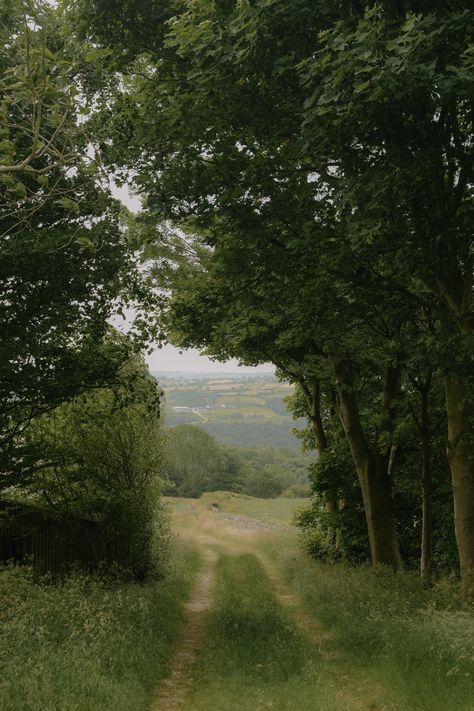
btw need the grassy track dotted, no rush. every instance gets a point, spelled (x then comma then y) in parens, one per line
(253, 658)
(389, 644)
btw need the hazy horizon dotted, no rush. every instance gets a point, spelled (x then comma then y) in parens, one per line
(178, 360)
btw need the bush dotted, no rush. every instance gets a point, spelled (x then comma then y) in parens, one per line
(101, 459)
(297, 491)
(340, 534)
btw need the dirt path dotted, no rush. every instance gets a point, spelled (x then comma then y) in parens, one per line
(171, 694)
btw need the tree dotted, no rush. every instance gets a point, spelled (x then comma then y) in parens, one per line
(195, 463)
(394, 94)
(99, 457)
(41, 139)
(66, 258)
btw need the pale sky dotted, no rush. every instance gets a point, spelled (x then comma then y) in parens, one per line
(171, 358)
(189, 360)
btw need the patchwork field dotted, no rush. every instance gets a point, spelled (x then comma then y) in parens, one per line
(246, 411)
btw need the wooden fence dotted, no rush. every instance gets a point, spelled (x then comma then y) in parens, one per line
(53, 544)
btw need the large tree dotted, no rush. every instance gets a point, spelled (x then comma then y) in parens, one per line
(390, 106)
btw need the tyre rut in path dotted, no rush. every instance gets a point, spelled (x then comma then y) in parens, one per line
(172, 693)
(355, 690)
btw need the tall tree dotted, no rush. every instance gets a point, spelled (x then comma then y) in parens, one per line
(389, 106)
(66, 260)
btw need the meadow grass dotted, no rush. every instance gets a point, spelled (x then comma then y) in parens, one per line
(87, 643)
(415, 646)
(418, 643)
(280, 509)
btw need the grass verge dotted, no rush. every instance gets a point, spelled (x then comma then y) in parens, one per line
(87, 644)
(419, 644)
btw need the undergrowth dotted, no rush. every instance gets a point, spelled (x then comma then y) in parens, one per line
(88, 643)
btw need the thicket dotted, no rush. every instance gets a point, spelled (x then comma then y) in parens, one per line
(79, 430)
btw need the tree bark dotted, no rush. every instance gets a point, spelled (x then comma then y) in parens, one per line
(371, 466)
(427, 492)
(461, 461)
(313, 399)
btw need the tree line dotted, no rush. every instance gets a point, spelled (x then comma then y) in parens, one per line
(306, 170)
(194, 462)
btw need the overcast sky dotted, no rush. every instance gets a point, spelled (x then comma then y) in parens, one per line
(171, 358)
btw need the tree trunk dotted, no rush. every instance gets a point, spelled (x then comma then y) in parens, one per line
(427, 511)
(313, 399)
(426, 488)
(379, 512)
(461, 461)
(372, 469)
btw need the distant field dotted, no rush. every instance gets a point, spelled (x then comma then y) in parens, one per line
(243, 411)
(281, 509)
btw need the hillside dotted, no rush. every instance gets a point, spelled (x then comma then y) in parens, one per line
(238, 410)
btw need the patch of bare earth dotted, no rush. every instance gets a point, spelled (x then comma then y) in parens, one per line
(172, 693)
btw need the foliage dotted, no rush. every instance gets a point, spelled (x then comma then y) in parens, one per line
(195, 463)
(310, 169)
(269, 472)
(67, 261)
(297, 491)
(39, 108)
(99, 457)
(341, 534)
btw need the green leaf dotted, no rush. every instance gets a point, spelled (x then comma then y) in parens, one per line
(362, 87)
(7, 146)
(18, 189)
(68, 204)
(49, 55)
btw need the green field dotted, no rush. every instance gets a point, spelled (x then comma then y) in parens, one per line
(280, 510)
(245, 411)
